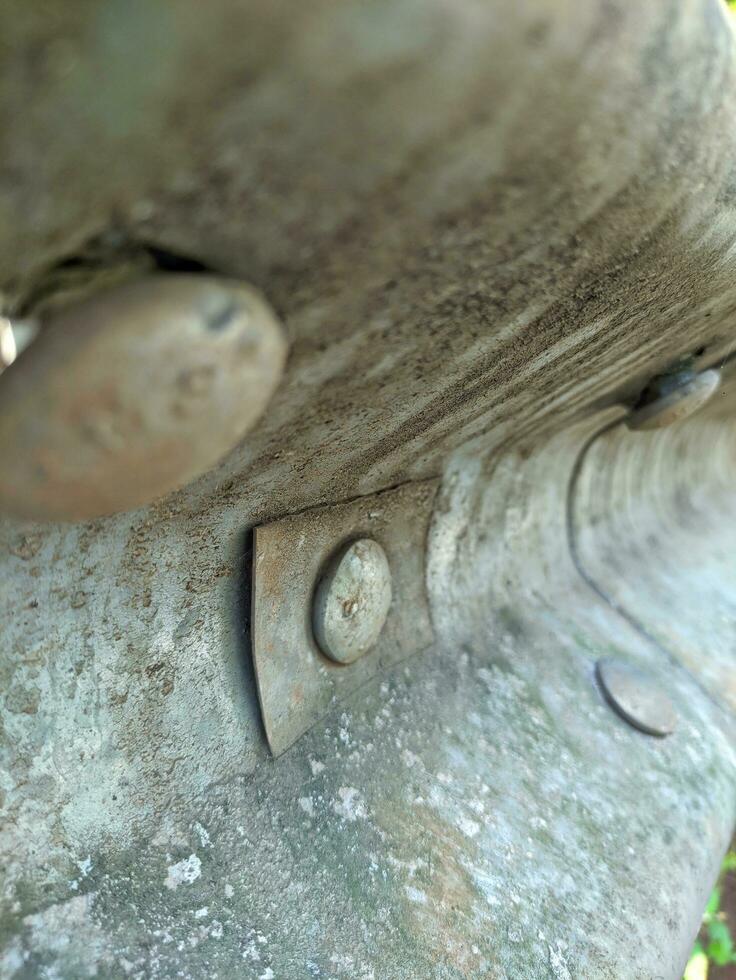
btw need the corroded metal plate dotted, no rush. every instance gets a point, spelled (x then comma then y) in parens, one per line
(297, 684)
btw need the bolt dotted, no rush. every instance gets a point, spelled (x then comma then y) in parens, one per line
(351, 601)
(132, 392)
(636, 697)
(15, 336)
(672, 397)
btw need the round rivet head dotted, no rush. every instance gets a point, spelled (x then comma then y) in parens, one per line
(673, 397)
(351, 601)
(133, 392)
(636, 696)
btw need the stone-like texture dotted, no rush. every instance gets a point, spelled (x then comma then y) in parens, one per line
(478, 811)
(479, 221)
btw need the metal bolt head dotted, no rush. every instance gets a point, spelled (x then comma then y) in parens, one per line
(676, 397)
(636, 696)
(133, 392)
(351, 601)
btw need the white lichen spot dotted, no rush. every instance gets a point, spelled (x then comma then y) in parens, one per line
(307, 804)
(250, 948)
(11, 959)
(415, 895)
(316, 766)
(183, 872)
(560, 969)
(251, 952)
(201, 913)
(85, 866)
(467, 826)
(216, 929)
(350, 806)
(229, 890)
(267, 974)
(343, 732)
(204, 837)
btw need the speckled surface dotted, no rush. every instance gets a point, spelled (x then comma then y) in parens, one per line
(476, 219)
(481, 223)
(478, 811)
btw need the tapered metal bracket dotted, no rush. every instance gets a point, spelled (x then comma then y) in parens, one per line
(297, 683)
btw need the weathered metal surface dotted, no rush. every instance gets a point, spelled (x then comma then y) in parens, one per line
(638, 697)
(475, 811)
(130, 394)
(351, 601)
(479, 222)
(297, 684)
(654, 529)
(674, 398)
(476, 220)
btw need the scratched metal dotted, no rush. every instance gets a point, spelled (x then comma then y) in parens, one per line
(479, 223)
(297, 684)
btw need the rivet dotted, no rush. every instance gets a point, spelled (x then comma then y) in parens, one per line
(132, 392)
(15, 336)
(672, 397)
(351, 601)
(636, 696)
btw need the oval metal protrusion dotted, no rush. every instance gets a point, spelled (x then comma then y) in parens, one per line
(352, 601)
(636, 696)
(681, 395)
(134, 392)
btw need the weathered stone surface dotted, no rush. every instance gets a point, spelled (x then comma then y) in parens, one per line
(479, 222)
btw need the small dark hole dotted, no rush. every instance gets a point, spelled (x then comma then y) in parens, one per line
(700, 351)
(97, 256)
(171, 262)
(75, 262)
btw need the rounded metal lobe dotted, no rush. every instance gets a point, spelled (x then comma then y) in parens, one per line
(680, 397)
(636, 696)
(351, 601)
(132, 393)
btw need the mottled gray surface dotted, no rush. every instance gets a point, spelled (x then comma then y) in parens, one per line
(479, 222)
(479, 811)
